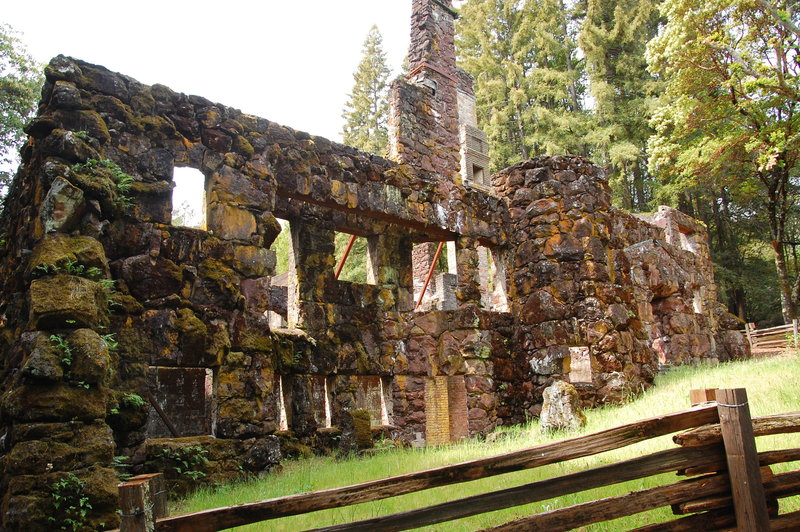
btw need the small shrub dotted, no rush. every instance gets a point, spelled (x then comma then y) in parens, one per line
(122, 180)
(71, 504)
(186, 462)
(62, 345)
(110, 342)
(133, 400)
(121, 465)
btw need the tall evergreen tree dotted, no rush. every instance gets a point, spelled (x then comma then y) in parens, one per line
(613, 38)
(20, 80)
(367, 110)
(528, 78)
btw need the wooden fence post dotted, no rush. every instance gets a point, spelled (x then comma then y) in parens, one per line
(158, 492)
(701, 397)
(748, 329)
(740, 450)
(796, 333)
(136, 503)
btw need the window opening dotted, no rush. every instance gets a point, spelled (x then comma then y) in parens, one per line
(282, 246)
(280, 282)
(434, 276)
(374, 396)
(353, 260)
(283, 418)
(478, 175)
(492, 276)
(697, 301)
(189, 198)
(386, 400)
(688, 241)
(328, 416)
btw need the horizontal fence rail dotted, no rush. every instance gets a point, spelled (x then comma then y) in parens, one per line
(716, 448)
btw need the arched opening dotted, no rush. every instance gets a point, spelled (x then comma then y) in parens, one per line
(189, 198)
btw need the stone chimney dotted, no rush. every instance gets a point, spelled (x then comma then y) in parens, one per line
(424, 126)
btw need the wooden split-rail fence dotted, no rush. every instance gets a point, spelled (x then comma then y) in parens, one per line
(729, 485)
(772, 341)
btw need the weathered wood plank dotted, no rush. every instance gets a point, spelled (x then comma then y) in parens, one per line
(158, 491)
(749, 501)
(789, 522)
(661, 462)
(787, 423)
(616, 507)
(706, 521)
(615, 438)
(779, 486)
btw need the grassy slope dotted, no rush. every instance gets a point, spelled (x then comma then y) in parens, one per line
(772, 385)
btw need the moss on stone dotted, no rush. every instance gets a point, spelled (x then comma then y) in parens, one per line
(242, 146)
(67, 301)
(57, 251)
(91, 363)
(54, 402)
(43, 363)
(189, 324)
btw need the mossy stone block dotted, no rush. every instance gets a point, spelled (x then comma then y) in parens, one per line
(43, 362)
(91, 360)
(59, 402)
(58, 249)
(67, 301)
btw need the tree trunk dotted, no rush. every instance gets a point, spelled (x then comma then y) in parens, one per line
(775, 210)
(638, 186)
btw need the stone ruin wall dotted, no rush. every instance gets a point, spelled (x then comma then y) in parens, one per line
(253, 366)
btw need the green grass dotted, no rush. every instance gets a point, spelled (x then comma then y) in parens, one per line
(771, 385)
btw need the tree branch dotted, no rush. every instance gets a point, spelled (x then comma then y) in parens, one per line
(787, 24)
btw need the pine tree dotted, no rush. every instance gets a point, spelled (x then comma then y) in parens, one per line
(614, 38)
(528, 78)
(367, 110)
(20, 80)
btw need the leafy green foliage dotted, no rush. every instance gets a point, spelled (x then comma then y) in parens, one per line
(355, 269)
(528, 77)
(110, 341)
(132, 400)
(123, 181)
(121, 465)
(613, 38)
(20, 80)
(282, 247)
(186, 461)
(367, 110)
(728, 123)
(71, 504)
(62, 345)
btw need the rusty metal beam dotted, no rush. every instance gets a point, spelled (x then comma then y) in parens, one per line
(430, 274)
(346, 254)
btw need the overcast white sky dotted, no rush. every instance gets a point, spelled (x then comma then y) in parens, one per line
(289, 61)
